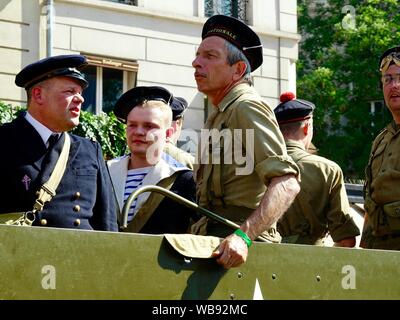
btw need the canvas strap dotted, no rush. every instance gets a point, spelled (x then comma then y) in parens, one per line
(48, 190)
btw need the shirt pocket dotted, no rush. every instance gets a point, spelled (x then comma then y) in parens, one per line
(84, 181)
(377, 157)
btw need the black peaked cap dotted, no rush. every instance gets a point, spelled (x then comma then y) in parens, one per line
(62, 65)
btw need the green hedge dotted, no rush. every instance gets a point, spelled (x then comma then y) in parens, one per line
(104, 128)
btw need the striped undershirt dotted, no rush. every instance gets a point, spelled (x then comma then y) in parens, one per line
(134, 180)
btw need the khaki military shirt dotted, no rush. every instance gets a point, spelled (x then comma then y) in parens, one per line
(322, 203)
(383, 179)
(385, 167)
(238, 182)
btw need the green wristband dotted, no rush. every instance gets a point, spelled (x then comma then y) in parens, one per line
(244, 236)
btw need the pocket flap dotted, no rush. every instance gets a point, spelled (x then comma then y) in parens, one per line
(392, 209)
(193, 246)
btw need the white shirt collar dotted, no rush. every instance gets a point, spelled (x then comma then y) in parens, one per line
(43, 131)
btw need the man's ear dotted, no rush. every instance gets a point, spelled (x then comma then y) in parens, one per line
(240, 69)
(178, 122)
(169, 132)
(306, 128)
(174, 125)
(37, 94)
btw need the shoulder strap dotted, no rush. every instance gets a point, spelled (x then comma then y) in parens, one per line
(298, 156)
(48, 190)
(146, 211)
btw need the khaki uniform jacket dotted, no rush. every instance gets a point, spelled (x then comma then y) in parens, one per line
(247, 164)
(322, 204)
(382, 202)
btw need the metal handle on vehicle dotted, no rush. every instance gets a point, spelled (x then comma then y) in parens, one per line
(177, 198)
(174, 197)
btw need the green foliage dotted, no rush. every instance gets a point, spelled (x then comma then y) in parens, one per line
(8, 112)
(104, 128)
(338, 71)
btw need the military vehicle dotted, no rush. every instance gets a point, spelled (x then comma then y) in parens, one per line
(50, 263)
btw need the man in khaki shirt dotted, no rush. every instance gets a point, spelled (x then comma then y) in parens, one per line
(322, 204)
(248, 178)
(382, 193)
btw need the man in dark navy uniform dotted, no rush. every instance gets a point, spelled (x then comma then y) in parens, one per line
(31, 145)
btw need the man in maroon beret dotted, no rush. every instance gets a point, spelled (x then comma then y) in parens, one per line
(321, 205)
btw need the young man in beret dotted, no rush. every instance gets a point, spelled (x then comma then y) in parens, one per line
(381, 192)
(321, 205)
(33, 142)
(148, 116)
(178, 106)
(228, 53)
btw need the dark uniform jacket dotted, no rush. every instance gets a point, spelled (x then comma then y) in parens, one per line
(84, 198)
(170, 216)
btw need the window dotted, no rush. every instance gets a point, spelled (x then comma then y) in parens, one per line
(108, 79)
(233, 8)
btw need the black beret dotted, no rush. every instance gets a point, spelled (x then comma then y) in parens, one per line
(293, 110)
(178, 106)
(388, 55)
(137, 96)
(237, 33)
(63, 65)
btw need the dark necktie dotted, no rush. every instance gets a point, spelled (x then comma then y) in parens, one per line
(52, 140)
(50, 158)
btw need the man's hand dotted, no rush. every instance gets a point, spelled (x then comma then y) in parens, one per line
(347, 242)
(232, 252)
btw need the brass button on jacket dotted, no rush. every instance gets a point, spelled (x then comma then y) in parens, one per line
(43, 222)
(77, 222)
(77, 195)
(77, 208)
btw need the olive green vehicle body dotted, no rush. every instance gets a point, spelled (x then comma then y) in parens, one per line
(50, 263)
